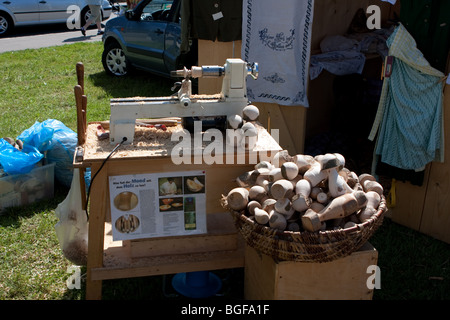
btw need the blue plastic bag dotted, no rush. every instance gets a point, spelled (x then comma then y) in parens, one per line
(16, 161)
(58, 141)
(38, 135)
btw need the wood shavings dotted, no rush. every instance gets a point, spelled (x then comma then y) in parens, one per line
(76, 251)
(148, 142)
(154, 142)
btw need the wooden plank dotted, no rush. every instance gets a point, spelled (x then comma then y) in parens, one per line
(409, 202)
(215, 53)
(121, 267)
(296, 124)
(97, 215)
(290, 121)
(82, 187)
(341, 279)
(436, 214)
(83, 116)
(259, 276)
(221, 236)
(182, 245)
(78, 91)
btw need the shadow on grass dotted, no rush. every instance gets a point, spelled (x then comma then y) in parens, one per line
(10, 217)
(412, 265)
(160, 287)
(136, 84)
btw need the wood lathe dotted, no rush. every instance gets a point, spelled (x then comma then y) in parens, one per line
(229, 102)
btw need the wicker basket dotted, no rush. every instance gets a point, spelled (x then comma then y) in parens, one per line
(321, 246)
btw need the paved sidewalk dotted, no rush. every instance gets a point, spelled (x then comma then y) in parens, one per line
(46, 36)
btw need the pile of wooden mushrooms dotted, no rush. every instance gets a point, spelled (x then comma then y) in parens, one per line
(248, 133)
(306, 193)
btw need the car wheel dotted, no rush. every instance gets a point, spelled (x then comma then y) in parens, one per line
(85, 15)
(5, 24)
(114, 60)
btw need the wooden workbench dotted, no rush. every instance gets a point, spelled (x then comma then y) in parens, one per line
(220, 248)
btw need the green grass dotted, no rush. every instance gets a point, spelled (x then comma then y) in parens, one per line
(413, 265)
(38, 85)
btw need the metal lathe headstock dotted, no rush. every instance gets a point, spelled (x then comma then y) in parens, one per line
(230, 101)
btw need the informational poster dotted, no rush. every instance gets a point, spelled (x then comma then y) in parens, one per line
(158, 204)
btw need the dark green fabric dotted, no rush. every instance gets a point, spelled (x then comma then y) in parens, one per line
(197, 21)
(428, 21)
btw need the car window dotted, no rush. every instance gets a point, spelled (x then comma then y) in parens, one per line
(156, 10)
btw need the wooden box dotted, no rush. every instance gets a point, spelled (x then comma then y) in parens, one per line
(342, 279)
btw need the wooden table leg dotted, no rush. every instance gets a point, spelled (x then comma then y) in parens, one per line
(97, 215)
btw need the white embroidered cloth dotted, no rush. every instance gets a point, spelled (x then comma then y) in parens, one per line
(277, 35)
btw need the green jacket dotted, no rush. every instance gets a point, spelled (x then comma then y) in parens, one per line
(428, 21)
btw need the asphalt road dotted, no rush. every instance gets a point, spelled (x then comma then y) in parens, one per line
(45, 36)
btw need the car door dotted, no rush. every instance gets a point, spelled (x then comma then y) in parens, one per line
(145, 39)
(172, 42)
(55, 10)
(172, 46)
(25, 11)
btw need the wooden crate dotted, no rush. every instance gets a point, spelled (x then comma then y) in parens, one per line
(342, 279)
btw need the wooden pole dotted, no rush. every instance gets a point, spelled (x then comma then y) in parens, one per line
(80, 115)
(80, 75)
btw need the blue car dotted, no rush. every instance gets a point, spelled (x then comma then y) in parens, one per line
(147, 38)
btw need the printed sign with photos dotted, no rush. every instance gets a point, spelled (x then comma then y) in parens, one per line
(158, 204)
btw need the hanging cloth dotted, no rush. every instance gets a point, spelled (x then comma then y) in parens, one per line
(219, 20)
(409, 116)
(278, 36)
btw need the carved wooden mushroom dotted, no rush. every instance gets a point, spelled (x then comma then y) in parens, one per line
(315, 174)
(258, 193)
(251, 207)
(281, 157)
(373, 201)
(277, 220)
(339, 207)
(250, 136)
(234, 121)
(250, 113)
(261, 216)
(237, 198)
(289, 170)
